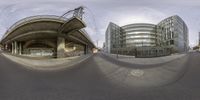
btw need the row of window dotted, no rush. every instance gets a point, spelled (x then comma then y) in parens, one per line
(140, 36)
(138, 45)
(140, 40)
(139, 29)
(137, 33)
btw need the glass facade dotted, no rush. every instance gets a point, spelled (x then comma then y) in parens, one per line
(199, 38)
(171, 34)
(174, 34)
(140, 34)
(114, 37)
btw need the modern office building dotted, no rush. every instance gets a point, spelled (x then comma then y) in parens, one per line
(174, 34)
(197, 47)
(113, 37)
(141, 34)
(148, 40)
(199, 38)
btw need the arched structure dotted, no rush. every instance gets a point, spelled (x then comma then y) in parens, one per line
(48, 35)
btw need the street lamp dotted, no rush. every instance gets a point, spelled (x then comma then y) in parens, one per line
(117, 53)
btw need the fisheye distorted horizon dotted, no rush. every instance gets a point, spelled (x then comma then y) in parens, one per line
(100, 12)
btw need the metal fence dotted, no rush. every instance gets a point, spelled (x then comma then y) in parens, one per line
(143, 52)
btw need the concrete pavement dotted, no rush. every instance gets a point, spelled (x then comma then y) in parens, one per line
(48, 64)
(99, 78)
(142, 76)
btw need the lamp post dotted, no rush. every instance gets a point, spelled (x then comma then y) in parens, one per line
(117, 53)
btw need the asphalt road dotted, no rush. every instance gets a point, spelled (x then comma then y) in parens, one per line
(98, 78)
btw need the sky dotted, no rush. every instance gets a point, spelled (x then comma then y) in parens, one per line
(98, 13)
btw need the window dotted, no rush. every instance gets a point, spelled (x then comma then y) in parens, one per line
(171, 42)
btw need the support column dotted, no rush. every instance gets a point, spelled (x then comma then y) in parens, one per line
(6, 47)
(20, 48)
(12, 49)
(60, 47)
(15, 48)
(86, 49)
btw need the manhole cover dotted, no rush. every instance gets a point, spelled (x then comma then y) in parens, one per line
(137, 72)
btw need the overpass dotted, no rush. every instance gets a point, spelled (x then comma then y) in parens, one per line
(48, 35)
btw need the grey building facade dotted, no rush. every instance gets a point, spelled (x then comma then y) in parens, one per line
(148, 40)
(140, 34)
(174, 33)
(199, 38)
(114, 37)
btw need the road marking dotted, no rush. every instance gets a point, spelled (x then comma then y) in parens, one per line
(137, 72)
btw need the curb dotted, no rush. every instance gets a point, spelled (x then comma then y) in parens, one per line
(107, 55)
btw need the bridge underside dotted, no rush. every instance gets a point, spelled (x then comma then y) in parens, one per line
(48, 46)
(42, 38)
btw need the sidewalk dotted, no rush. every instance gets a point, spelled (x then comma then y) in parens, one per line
(134, 76)
(47, 64)
(146, 61)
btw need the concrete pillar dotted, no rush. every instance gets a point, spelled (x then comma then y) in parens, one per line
(12, 49)
(86, 49)
(15, 47)
(6, 47)
(60, 47)
(20, 48)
